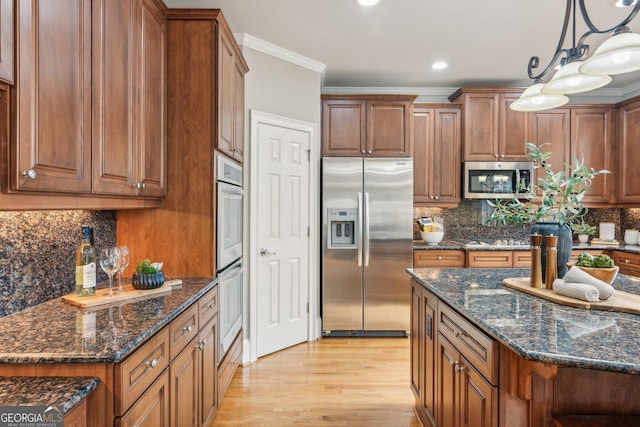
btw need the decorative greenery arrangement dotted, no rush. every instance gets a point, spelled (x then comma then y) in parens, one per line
(554, 197)
(582, 228)
(147, 267)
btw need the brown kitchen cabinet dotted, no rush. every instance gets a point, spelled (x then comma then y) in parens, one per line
(52, 147)
(436, 155)
(438, 258)
(7, 71)
(230, 111)
(498, 259)
(367, 125)
(423, 361)
(629, 152)
(187, 212)
(152, 409)
(629, 263)
(593, 138)
(490, 129)
(129, 134)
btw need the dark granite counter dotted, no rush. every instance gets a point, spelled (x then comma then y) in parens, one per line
(64, 392)
(57, 332)
(537, 329)
(447, 245)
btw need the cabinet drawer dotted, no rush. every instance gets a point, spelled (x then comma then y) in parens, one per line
(438, 258)
(228, 366)
(490, 259)
(521, 259)
(628, 263)
(153, 407)
(139, 371)
(208, 306)
(473, 344)
(182, 330)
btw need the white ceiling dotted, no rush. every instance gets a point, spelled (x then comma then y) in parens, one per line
(393, 44)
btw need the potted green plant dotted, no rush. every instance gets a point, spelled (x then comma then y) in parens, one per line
(148, 275)
(551, 202)
(583, 230)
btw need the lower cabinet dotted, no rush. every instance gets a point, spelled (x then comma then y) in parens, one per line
(152, 409)
(454, 366)
(438, 258)
(228, 365)
(629, 263)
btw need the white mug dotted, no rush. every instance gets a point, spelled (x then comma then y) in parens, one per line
(631, 237)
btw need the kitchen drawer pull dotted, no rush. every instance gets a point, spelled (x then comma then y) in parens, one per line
(459, 367)
(188, 328)
(211, 306)
(627, 261)
(152, 364)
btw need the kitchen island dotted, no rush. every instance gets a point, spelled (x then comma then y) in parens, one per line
(482, 350)
(130, 347)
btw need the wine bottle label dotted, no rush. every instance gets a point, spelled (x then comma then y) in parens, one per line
(89, 275)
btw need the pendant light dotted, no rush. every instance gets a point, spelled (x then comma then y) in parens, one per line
(534, 100)
(617, 55)
(569, 80)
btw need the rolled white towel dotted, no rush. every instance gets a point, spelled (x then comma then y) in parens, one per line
(575, 275)
(580, 291)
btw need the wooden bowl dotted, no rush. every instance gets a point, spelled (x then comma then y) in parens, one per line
(607, 275)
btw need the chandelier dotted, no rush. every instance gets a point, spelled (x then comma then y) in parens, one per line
(577, 71)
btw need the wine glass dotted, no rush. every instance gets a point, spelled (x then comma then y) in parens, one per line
(110, 263)
(124, 262)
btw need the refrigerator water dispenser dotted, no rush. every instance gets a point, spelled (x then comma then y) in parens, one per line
(342, 223)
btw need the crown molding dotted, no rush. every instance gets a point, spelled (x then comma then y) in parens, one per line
(247, 40)
(420, 91)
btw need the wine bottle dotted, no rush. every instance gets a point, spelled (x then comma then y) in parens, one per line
(86, 265)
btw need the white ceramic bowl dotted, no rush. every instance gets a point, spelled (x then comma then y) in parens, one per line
(432, 237)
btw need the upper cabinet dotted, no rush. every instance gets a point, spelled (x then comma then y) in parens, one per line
(88, 112)
(129, 134)
(367, 125)
(230, 111)
(629, 172)
(436, 155)
(52, 147)
(490, 129)
(6, 41)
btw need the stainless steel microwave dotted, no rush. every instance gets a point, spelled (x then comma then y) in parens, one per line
(496, 180)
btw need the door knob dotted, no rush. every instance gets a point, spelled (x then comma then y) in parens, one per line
(265, 252)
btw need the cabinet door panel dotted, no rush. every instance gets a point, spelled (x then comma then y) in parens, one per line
(54, 96)
(238, 116)
(514, 130)
(388, 132)
(152, 409)
(209, 375)
(152, 86)
(429, 332)
(447, 384)
(480, 138)
(344, 127)
(6, 41)
(478, 399)
(423, 122)
(629, 191)
(416, 337)
(446, 156)
(553, 129)
(226, 100)
(113, 92)
(592, 139)
(184, 381)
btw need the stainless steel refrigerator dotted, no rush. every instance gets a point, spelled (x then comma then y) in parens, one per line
(367, 212)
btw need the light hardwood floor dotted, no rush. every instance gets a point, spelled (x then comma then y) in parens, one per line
(361, 382)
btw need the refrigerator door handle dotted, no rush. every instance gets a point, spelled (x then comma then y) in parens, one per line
(366, 229)
(359, 236)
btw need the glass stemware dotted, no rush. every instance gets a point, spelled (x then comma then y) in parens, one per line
(124, 262)
(110, 264)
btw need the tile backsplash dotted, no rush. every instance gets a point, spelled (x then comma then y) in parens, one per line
(467, 221)
(37, 253)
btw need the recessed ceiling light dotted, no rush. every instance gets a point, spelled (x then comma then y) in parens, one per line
(372, 2)
(623, 3)
(439, 65)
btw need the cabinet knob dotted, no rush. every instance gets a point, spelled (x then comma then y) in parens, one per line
(211, 306)
(459, 367)
(431, 197)
(439, 258)
(140, 185)
(502, 156)
(362, 151)
(626, 261)
(152, 364)
(456, 333)
(369, 151)
(495, 155)
(436, 197)
(188, 328)
(31, 173)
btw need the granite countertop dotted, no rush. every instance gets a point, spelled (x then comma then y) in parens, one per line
(64, 392)
(58, 332)
(537, 329)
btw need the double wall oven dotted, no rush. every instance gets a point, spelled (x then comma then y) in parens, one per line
(229, 250)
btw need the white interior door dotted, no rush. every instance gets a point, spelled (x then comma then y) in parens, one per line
(282, 249)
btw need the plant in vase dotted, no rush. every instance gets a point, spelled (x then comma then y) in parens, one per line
(551, 202)
(583, 230)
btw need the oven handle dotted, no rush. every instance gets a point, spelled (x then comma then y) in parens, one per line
(231, 271)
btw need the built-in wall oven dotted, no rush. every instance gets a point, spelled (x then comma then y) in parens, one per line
(229, 250)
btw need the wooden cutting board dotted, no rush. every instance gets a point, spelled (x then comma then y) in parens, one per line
(620, 301)
(129, 294)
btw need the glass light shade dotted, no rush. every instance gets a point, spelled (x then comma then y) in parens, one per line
(533, 100)
(616, 55)
(569, 79)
